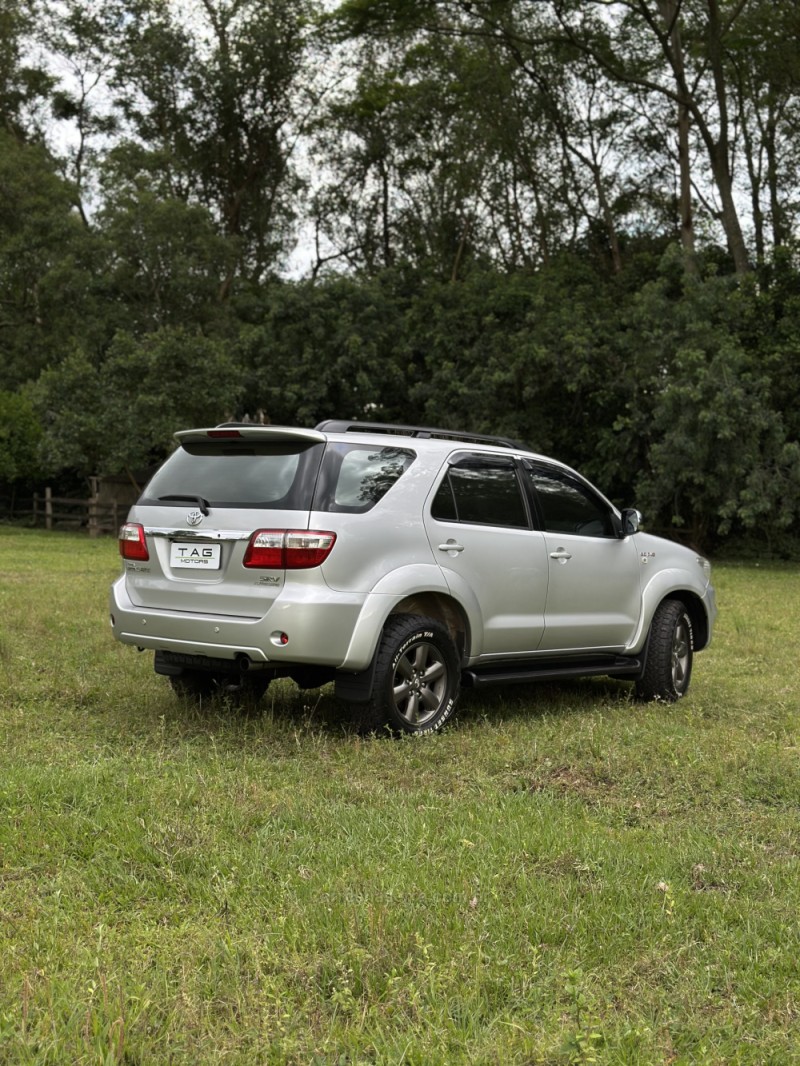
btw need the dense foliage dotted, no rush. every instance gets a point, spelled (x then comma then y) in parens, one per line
(569, 221)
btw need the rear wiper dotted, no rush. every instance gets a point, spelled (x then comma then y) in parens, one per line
(201, 503)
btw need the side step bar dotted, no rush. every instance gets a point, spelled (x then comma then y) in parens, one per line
(508, 673)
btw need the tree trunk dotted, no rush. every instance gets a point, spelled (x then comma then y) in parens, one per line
(669, 13)
(388, 254)
(719, 150)
(780, 230)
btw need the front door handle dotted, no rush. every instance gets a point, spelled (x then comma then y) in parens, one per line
(561, 554)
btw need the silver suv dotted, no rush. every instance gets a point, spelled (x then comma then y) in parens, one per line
(402, 563)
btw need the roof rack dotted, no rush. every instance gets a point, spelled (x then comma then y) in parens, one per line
(424, 432)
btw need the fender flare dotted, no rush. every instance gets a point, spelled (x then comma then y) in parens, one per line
(417, 579)
(672, 582)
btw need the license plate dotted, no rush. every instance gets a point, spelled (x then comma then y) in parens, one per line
(195, 556)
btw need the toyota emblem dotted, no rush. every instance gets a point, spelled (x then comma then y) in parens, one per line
(194, 518)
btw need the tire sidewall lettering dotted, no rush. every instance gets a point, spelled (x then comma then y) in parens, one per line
(415, 638)
(437, 724)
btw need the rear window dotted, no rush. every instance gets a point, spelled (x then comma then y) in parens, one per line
(239, 473)
(354, 476)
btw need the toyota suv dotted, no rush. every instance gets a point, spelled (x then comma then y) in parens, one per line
(400, 563)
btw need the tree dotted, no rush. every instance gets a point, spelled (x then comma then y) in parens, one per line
(663, 51)
(46, 263)
(532, 144)
(509, 354)
(408, 174)
(80, 36)
(715, 451)
(332, 349)
(119, 417)
(720, 458)
(164, 259)
(23, 85)
(659, 64)
(20, 433)
(69, 401)
(212, 102)
(762, 59)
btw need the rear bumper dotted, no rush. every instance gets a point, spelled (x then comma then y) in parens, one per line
(319, 630)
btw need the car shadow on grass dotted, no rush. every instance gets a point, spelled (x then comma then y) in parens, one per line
(285, 708)
(574, 696)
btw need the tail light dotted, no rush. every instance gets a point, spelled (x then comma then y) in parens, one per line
(132, 543)
(288, 549)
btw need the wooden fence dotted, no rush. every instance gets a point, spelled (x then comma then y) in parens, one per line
(60, 512)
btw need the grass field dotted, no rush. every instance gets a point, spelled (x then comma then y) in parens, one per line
(563, 876)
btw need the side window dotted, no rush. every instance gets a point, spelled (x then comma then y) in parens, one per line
(567, 505)
(482, 494)
(355, 477)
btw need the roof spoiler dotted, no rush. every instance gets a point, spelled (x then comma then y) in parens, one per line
(249, 431)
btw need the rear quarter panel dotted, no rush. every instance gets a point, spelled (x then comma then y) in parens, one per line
(386, 539)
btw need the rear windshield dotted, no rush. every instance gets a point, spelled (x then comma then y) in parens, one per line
(239, 473)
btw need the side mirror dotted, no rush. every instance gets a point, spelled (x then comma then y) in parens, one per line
(631, 520)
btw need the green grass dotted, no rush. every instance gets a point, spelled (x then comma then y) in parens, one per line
(563, 876)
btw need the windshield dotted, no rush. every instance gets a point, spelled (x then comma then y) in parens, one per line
(232, 473)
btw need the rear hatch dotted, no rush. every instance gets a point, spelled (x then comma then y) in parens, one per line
(209, 534)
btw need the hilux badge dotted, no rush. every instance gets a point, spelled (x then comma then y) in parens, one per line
(194, 518)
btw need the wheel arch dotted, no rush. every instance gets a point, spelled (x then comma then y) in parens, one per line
(444, 609)
(697, 616)
(356, 686)
(674, 584)
(419, 597)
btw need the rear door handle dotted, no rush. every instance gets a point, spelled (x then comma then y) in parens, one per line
(451, 546)
(561, 554)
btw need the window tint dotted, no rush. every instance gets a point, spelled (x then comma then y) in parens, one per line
(443, 507)
(567, 505)
(238, 474)
(483, 495)
(354, 477)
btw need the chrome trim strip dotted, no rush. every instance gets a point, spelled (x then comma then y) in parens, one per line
(171, 533)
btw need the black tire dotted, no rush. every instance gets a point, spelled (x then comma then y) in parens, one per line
(201, 686)
(668, 666)
(417, 677)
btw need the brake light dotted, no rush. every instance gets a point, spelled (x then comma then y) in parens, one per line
(223, 433)
(132, 542)
(265, 550)
(288, 549)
